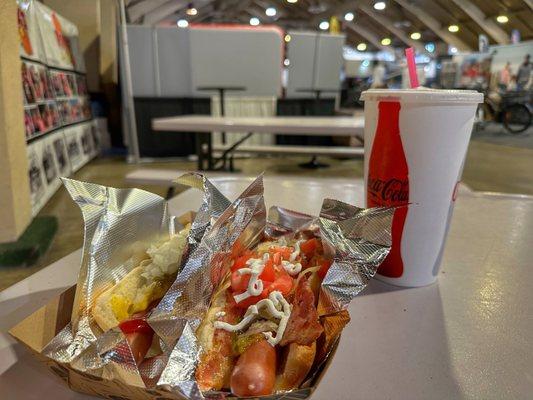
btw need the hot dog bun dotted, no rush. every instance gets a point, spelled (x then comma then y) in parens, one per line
(146, 283)
(296, 363)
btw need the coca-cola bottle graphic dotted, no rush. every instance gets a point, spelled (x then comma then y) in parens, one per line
(388, 180)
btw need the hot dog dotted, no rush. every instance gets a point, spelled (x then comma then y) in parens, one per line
(126, 302)
(262, 325)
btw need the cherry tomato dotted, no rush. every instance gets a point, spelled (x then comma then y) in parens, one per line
(240, 262)
(309, 246)
(324, 268)
(135, 325)
(276, 258)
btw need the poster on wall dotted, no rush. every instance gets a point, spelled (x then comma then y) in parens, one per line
(28, 27)
(74, 150)
(36, 176)
(60, 153)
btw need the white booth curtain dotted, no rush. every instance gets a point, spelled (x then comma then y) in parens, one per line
(244, 106)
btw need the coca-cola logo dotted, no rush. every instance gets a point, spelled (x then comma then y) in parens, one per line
(391, 191)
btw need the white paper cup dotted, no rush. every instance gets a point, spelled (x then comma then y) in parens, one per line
(415, 145)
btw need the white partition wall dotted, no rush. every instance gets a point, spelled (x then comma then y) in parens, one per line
(251, 58)
(173, 62)
(143, 72)
(315, 63)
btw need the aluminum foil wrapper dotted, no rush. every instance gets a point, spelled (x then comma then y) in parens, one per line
(358, 239)
(120, 224)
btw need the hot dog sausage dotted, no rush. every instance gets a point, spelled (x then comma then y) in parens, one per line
(255, 371)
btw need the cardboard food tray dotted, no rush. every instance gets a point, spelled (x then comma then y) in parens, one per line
(39, 328)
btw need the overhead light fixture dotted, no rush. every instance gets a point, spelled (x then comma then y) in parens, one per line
(191, 10)
(361, 47)
(324, 25)
(430, 47)
(502, 19)
(286, 62)
(453, 28)
(380, 5)
(287, 38)
(416, 35)
(292, 1)
(453, 50)
(349, 16)
(386, 41)
(270, 11)
(254, 21)
(182, 23)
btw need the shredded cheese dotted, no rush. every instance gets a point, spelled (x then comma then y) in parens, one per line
(255, 285)
(292, 269)
(275, 307)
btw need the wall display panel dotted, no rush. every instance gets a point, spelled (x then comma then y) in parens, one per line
(173, 60)
(251, 58)
(141, 50)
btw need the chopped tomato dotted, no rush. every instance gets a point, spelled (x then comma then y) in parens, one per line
(135, 325)
(284, 252)
(276, 258)
(240, 262)
(309, 247)
(244, 304)
(283, 283)
(268, 274)
(324, 268)
(239, 283)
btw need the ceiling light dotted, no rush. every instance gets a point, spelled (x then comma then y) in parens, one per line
(416, 35)
(361, 46)
(453, 50)
(430, 47)
(324, 25)
(287, 38)
(292, 1)
(270, 11)
(502, 19)
(453, 28)
(349, 16)
(254, 21)
(182, 23)
(286, 62)
(380, 5)
(191, 11)
(386, 41)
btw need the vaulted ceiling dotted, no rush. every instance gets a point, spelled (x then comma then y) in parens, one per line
(399, 19)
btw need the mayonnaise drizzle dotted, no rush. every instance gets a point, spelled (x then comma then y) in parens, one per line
(296, 251)
(255, 285)
(275, 306)
(292, 269)
(220, 314)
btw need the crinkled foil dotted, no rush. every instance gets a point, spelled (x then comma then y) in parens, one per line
(358, 239)
(120, 224)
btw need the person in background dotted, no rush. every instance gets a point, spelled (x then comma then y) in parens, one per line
(524, 74)
(378, 75)
(505, 76)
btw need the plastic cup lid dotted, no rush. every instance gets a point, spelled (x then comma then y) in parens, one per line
(423, 95)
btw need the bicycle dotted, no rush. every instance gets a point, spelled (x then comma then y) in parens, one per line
(513, 109)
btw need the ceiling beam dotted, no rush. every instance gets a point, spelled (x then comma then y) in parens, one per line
(340, 10)
(368, 35)
(389, 25)
(160, 13)
(433, 24)
(137, 10)
(487, 24)
(529, 3)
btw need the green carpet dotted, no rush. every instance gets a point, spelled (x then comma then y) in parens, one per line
(31, 245)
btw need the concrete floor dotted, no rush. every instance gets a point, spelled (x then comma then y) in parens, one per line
(489, 167)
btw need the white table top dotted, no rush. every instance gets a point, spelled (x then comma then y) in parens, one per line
(331, 126)
(468, 336)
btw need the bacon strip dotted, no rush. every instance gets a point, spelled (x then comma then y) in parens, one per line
(303, 326)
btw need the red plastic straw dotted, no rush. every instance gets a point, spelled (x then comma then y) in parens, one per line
(411, 66)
